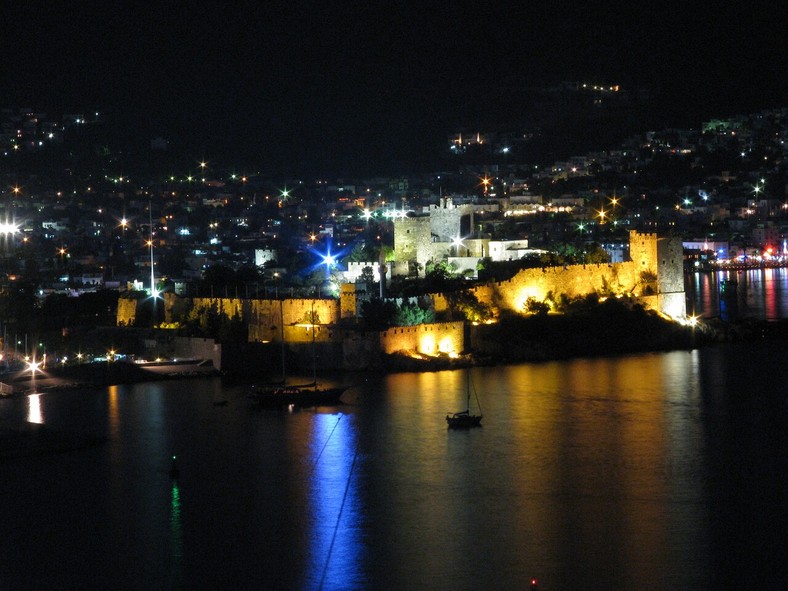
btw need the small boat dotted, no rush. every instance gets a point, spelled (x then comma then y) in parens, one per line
(281, 394)
(179, 367)
(464, 419)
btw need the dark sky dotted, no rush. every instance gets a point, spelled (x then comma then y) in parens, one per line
(322, 85)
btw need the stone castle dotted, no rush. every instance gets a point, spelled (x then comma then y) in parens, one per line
(653, 276)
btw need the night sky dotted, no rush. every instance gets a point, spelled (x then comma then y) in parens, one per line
(332, 86)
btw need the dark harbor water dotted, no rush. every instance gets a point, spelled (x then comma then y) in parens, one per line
(658, 471)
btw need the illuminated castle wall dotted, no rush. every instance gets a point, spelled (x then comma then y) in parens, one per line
(427, 339)
(655, 272)
(265, 318)
(654, 275)
(269, 320)
(364, 350)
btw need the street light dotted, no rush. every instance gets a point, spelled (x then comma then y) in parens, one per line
(485, 183)
(33, 366)
(456, 243)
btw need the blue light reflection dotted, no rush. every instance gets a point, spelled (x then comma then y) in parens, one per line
(335, 548)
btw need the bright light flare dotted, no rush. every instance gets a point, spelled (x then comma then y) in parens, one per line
(327, 258)
(8, 228)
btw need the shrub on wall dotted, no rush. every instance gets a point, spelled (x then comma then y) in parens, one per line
(534, 306)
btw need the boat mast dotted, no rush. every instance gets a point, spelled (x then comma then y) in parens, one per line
(468, 389)
(282, 339)
(314, 349)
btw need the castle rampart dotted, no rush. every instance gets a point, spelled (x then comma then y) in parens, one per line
(655, 275)
(427, 339)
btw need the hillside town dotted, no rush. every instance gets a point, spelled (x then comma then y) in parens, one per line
(78, 223)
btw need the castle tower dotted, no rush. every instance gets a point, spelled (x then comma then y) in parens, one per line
(412, 239)
(662, 258)
(347, 300)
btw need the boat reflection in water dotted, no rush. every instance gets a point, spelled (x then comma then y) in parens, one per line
(302, 396)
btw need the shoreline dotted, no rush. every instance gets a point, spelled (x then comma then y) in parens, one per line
(20, 439)
(529, 340)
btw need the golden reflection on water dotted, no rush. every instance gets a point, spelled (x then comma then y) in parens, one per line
(113, 413)
(604, 424)
(554, 435)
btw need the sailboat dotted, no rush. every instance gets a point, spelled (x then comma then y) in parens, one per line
(283, 394)
(464, 419)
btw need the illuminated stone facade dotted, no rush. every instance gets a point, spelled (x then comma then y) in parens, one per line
(127, 312)
(426, 339)
(429, 237)
(654, 275)
(265, 318)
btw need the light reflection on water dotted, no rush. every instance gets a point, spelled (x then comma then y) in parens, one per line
(34, 414)
(759, 293)
(651, 471)
(334, 557)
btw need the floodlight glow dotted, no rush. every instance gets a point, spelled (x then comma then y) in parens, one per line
(8, 228)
